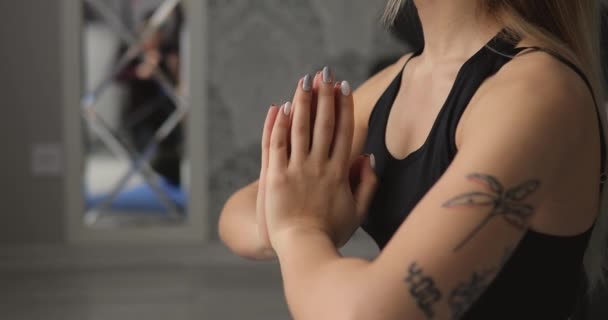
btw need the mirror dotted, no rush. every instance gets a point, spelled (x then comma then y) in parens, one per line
(134, 111)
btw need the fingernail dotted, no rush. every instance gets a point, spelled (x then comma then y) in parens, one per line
(345, 87)
(327, 75)
(372, 161)
(307, 83)
(287, 108)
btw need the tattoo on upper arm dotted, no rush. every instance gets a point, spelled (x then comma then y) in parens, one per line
(507, 204)
(506, 256)
(423, 289)
(427, 295)
(467, 292)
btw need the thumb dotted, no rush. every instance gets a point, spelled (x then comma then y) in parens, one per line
(366, 187)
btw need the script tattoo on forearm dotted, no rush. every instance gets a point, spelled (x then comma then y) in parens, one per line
(506, 256)
(507, 204)
(423, 290)
(467, 292)
(463, 296)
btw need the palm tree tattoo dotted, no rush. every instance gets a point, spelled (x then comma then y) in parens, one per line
(504, 203)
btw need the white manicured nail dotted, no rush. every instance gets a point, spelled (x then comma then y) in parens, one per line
(346, 89)
(287, 108)
(327, 76)
(372, 161)
(307, 83)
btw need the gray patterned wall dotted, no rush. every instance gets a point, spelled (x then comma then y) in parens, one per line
(258, 51)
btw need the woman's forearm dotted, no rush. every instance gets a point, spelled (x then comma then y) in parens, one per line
(319, 283)
(238, 225)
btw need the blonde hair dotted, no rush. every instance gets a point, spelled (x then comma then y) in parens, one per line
(572, 30)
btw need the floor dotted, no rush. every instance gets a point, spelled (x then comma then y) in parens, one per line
(60, 283)
(54, 283)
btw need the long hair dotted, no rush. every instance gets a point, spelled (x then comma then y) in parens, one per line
(571, 29)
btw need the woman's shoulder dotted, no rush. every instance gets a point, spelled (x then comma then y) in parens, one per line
(540, 76)
(541, 94)
(540, 106)
(538, 83)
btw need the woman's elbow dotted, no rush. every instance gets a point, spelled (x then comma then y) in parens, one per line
(240, 235)
(228, 231)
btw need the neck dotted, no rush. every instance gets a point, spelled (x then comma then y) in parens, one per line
(454, 29)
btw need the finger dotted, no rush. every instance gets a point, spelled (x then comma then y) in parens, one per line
(294, 106)
(316, 83)
(344, 124)
(260, 213)
(366, 189)
(261, 219)
(267, 133)
(263, 229)
(300, 127)
(311, 88)
(278, 156)
(323, 132)
(354, 174)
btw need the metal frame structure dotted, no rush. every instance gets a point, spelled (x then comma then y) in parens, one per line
(194, 228)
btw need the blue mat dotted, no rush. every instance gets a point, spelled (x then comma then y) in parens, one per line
(141, 199)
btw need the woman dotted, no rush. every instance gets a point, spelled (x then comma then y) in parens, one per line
(149, 106)
(487, 150)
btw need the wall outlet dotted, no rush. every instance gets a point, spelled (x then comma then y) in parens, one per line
(46, 160)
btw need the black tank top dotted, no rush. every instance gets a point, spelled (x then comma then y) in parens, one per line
(542, 279)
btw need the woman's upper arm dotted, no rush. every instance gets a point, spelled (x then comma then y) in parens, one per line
(458, 237)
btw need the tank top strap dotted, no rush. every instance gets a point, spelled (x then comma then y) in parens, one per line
(385, 102)
(474, 72)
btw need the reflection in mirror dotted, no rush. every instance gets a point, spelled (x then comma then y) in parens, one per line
(133, 109)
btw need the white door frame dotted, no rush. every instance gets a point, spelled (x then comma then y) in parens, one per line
(196, 229)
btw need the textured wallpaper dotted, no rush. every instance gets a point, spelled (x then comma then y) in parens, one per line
(258, 51)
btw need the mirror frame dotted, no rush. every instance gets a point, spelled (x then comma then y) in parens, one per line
(196, 229)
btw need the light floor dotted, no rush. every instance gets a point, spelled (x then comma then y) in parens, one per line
(60, 283)
(54, 283)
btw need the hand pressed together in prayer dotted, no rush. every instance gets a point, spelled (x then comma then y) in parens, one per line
(308, 181)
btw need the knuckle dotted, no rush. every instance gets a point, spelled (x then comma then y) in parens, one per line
(277, 180)
(327, 125)
(278, 144)
(304, 100)
(316, 170)
(347, 121)
(338, 171)
(301, 130)
(282, 123)
(296, 161)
